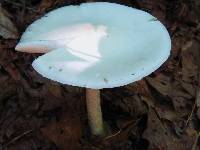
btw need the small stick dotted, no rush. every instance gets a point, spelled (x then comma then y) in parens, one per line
(190, 116)
(18, 137)
(195, 142)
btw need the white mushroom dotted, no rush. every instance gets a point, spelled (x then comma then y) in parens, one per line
(96, 45)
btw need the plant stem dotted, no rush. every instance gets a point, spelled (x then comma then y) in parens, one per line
(93, 102)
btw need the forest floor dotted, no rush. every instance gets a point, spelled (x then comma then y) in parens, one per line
(160, 112)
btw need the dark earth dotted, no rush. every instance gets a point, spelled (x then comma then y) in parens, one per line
(160, 112)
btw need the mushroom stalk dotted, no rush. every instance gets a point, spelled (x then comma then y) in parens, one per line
(93, 102)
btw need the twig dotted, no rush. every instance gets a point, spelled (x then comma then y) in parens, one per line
(190, 116)
(197, 99)
(18, 137)
(195, 142)
(115, 134)
(128, 126)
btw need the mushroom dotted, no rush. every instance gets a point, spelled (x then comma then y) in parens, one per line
(96, 45)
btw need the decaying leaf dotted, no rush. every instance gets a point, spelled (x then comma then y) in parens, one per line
(156, 133)
(55, 90)
(66, 132)
(161, 134)
(7, 28)
(161, 83)
(190, 58)
(157, 7)
(139, 87)
(166, 112)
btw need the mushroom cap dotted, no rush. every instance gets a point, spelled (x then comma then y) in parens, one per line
(97, 45)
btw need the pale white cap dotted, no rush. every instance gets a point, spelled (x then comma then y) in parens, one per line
(97, 45)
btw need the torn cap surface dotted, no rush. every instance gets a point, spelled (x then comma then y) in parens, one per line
(97, 45)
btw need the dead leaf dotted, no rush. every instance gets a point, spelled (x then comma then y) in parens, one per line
(198, 113)
(13, 71)
(118, 139)
(65, 133)
(139, 87)
(190, 88)
(47, 4)
(7, 28)
(161, 83)
(157, 7)
(181, 105)
(165, 112)
(157, 134)
(8, 43)
(55, 90)
(161, 134)
(8, 91)
(190, 60)
(131, 105)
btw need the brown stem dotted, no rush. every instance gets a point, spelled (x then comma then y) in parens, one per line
(93, 101)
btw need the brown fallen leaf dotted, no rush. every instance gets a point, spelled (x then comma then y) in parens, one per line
(177, 90)
(66, 132)
(182, 105)
(179, 97)
(7, 28)
(47, 4)
(8, 43)
(188, 138)
(190, 88)
(189, 60)
(119, 138)
(55, 90)
(157, 7)
(139, 87)
(8, 91)
(161, 83)
(160, 134)
(166, 112)
(157, 134)
(13, 71)
(131, 105)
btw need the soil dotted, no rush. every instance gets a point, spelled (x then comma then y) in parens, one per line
(159, 112)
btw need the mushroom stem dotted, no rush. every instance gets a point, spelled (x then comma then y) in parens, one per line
(93, 102)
